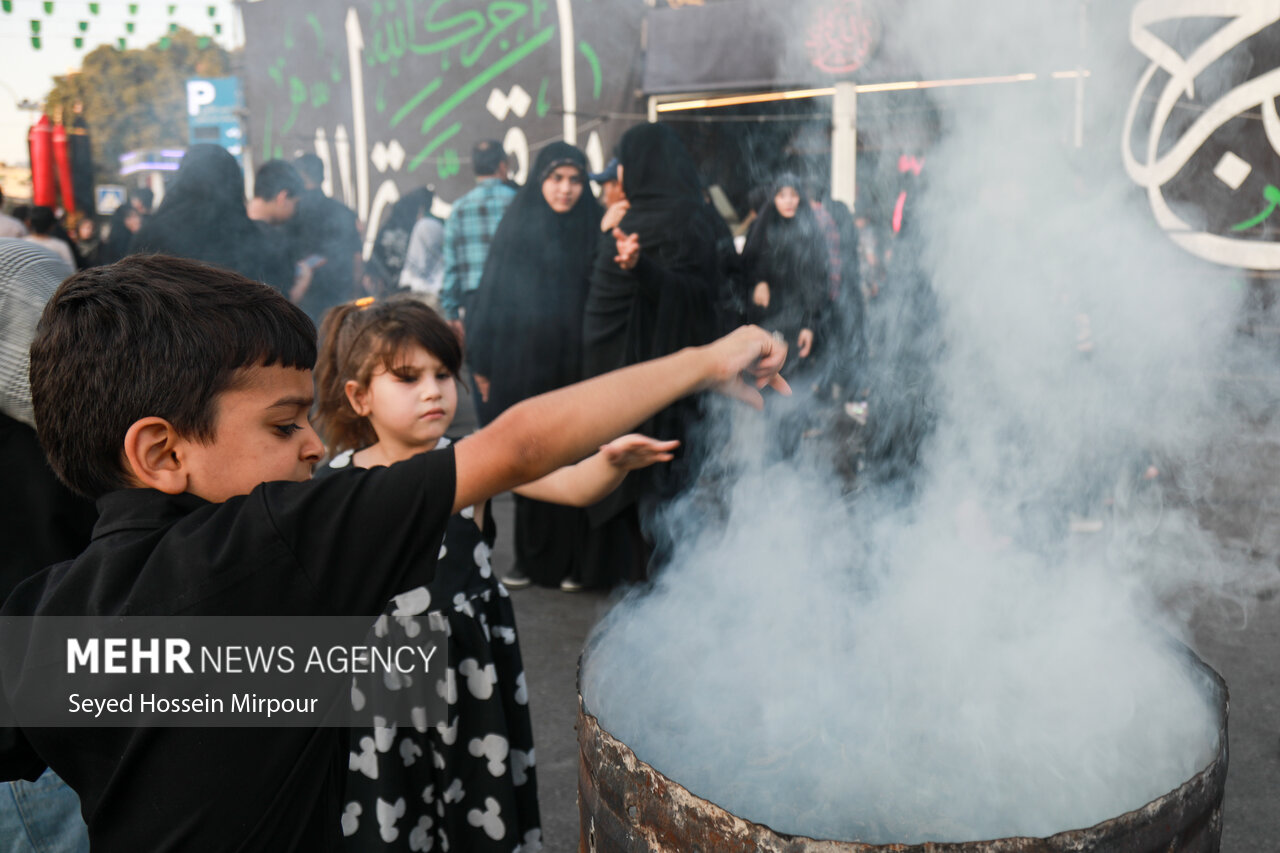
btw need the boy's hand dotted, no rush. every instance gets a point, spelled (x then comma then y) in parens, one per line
(752, 350)
(633, 452)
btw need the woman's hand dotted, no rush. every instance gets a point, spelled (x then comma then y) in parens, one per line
(613, 216)
(635, 451)
(760, 296)
(628, 249)
(804, 343)
(482, 385)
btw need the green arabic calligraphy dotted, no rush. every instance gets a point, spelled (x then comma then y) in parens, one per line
(397, 30)
(597, 79)
(300, 93)
(1272, 195)
(487, 39)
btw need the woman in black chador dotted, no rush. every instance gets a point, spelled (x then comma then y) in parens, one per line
(524, 334)
(392, 243)
(203, 218)
(786, 272)
(645, 307)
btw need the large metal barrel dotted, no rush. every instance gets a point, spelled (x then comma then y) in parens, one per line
(626, 806)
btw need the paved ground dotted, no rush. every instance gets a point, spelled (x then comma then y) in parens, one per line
(1247, 654)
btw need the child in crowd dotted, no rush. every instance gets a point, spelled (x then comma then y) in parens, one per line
(385, 380)
(176, 394)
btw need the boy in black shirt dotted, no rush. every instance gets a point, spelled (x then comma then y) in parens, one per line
(177, 394)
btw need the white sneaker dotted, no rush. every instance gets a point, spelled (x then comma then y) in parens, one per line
(516, 580)
(571, 585)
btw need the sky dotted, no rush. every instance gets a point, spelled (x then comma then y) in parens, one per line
(28, 72)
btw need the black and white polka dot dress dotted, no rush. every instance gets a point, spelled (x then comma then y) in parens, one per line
(469, 785)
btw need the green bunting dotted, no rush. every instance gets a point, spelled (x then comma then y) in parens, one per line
(133, 8)
(213, 11)
(83, 25)
(35, 42)
(122, 44)
(94, 8)
(165, 43)
(203, 42)
(217, 28)
(172, 9)
(79, 42)
(35, 27)
(8, 5)
(48, 7)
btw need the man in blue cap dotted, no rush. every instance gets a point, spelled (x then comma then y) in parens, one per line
(610, 187)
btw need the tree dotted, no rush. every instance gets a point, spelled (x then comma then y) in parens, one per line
(136, 99)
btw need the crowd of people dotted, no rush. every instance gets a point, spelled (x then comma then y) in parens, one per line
(522, 292)
(543, 285)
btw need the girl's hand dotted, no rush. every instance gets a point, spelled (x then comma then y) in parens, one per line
(804, 343)
(482, 385)
(635, 451)
(613, 216)
(628, 249)
(760, 296)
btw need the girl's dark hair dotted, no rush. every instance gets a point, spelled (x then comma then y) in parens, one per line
(356, 338)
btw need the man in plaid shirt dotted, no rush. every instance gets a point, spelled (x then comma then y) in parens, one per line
(470, 228)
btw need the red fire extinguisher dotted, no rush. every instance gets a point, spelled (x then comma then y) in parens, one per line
(40, 140)
(62, 158)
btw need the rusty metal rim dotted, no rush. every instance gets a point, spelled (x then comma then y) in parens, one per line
(1209, 783)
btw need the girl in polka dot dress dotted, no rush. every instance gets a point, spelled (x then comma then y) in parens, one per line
(386, 388)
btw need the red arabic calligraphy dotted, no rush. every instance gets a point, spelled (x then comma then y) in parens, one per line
(840, 36)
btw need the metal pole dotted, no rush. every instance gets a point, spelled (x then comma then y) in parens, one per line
(844, 144)
(1084, 43)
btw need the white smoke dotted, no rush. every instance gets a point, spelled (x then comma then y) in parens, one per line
(964, 666)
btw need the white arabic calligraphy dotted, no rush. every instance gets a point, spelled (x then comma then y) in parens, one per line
(1248, 17)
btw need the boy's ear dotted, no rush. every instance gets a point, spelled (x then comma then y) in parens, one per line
(152, 448)
(358, 397)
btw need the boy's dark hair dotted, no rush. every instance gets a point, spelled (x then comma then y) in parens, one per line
(487, 156)
(275, 176)
(146, 196)
(21, 212)
(42, 219)
(150, 335)
(356, 339)
(311, 167)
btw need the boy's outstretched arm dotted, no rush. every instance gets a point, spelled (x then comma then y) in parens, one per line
(599, 474)
(541, 434)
